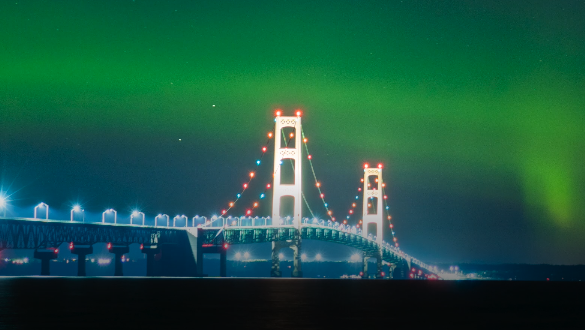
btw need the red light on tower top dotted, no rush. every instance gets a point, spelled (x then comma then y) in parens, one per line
(299, 113)
(366, 165)
(278, 112)
(380, 166)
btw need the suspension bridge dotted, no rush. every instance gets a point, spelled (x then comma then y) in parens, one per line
(180, 243)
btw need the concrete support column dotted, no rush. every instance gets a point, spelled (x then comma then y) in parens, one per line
(391, 268)
(222, 263)
(379, 267)
(297, 270)
(46, 257)
(81, 253)
(275, 269)
(118, 251)
(365, 266)
(150, 251)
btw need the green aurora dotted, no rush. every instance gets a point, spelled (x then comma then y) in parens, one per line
(482, 102)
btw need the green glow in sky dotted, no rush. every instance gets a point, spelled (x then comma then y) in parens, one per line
(477, 101)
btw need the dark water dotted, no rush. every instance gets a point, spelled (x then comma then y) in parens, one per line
(112, 303)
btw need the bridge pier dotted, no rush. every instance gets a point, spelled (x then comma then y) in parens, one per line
(46, 257)
(367, 256)
(294, 245)
(81, 252)
(118, 251)
(150, 251)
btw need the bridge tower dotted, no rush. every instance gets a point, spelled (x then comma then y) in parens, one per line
(279, 190)
(373, 213)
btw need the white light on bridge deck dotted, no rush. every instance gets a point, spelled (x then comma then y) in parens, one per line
(46, 210)
(280, 256)
(238, 256)
(76, 209)
(110, 211)
(246, 255)
(135, 214)
(3, 202)
(304, 257)
(356, 257)
(318, 257)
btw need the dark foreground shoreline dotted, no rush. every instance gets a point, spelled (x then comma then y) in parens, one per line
(113, 303)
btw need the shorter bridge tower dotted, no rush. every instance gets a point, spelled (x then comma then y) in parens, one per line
(373, 213)
(279, 190)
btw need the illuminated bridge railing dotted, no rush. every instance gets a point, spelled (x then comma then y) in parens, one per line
(26, 233)
(36, 233)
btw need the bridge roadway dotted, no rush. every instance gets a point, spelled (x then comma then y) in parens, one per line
(184, 245)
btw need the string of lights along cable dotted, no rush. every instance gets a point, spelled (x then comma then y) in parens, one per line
(251, 176)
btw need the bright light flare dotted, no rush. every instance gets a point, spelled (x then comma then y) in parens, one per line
(366, 165)
(278, 112)
(299, 113)
(246, 255)
(318, 257)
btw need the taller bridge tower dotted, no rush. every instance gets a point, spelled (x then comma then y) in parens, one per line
(281, 157)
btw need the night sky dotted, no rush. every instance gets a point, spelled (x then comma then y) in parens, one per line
(476, 109)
